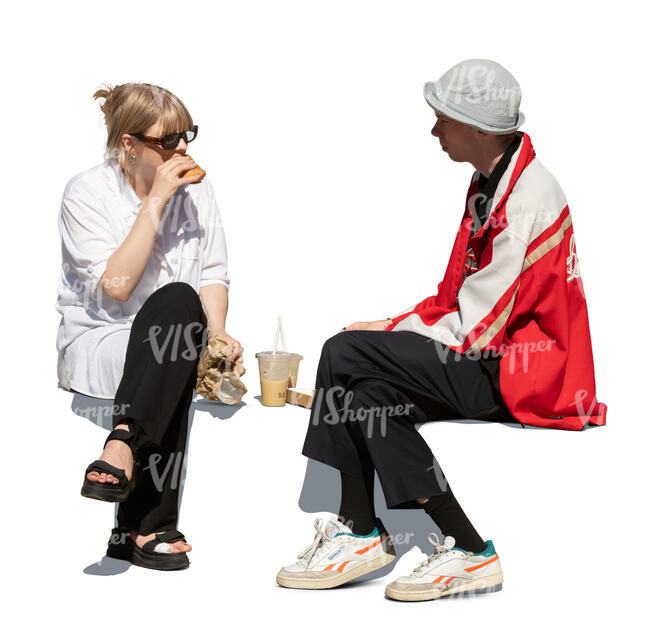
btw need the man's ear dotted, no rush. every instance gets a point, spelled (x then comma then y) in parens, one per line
(480, 138)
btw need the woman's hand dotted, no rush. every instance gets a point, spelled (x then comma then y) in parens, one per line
(374, 325)
(237, 350)
(169, 179)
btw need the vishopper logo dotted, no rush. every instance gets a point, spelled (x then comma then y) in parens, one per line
(90, 297)
(99, 413)
(397, 538)
(180, 213)
(118, 538)
(523, 349)
(340, 415)
(476, 200)
(520, 348)
(477, 85)
(158, 95)
(402, 538)
(585, 414)
(441, 479)
(525, 220)
(171, 468)
(177, 337)
(348, 523)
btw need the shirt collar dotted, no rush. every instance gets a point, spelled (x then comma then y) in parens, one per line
(125, 189)
(489, 185)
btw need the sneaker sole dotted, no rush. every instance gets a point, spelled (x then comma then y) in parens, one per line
(293, 580)
(479, 586)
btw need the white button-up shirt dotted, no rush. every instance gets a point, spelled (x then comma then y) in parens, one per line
(98, 210)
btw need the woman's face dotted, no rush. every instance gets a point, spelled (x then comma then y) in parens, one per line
(148, 157)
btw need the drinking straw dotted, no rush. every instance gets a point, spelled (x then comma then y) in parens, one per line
(284, 344)
(279, 334)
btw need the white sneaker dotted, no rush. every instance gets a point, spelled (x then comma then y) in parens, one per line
(447, 571)
(337, 556)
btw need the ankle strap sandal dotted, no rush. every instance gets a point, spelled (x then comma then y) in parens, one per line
(106, 491)
(154, 554)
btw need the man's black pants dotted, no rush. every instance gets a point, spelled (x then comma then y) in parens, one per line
(154, 397)
(372, 387)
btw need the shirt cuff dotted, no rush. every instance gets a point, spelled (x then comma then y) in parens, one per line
(209, 282)
(93, 285)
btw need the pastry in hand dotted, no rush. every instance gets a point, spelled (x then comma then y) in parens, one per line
(195, 171)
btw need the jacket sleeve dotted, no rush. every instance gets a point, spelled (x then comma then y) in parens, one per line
(429, 301)
(485, 299)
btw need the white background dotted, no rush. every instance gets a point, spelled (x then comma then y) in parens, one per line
(338, 206)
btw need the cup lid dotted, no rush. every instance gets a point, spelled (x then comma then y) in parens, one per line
(278, 354)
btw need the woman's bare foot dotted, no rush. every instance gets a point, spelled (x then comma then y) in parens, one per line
(116, 453)
(175, 547)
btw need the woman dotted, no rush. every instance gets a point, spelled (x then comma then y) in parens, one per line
(144, 277)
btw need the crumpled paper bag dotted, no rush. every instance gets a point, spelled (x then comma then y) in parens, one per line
(218, 376)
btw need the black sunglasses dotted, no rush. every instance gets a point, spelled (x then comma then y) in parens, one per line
(170, 141)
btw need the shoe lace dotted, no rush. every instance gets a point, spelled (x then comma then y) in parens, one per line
(439, 550)
(320, 539)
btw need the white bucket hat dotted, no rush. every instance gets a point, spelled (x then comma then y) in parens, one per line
(479, 93)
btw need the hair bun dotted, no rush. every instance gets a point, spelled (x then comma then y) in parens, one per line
(107, 93)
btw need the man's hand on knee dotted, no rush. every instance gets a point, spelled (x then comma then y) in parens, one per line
(373, 325)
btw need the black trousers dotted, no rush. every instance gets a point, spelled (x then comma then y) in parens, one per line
(154, 397)
(372, 387)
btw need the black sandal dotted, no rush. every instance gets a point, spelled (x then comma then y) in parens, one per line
(148, 557)
(106, 491)
(121, 546)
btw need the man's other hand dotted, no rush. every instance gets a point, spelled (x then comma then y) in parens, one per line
(373, 325)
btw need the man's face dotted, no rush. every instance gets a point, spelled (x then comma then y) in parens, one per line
(457, 139)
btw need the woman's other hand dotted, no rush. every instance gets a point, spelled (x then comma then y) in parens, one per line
(237, 350)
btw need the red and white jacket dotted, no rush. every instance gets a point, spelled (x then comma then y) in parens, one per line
(524, 301)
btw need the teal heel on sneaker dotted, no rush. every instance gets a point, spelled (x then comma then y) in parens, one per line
(450, 571)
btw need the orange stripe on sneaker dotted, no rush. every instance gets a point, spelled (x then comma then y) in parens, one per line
(342, 565)
(487, 562)
(449, 580)
(365, 549)
(440, 577)
(329, 567)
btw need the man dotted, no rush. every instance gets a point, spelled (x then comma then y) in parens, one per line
(506, 338)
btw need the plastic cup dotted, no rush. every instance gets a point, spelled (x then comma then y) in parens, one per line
(274, 377)
(293, 369)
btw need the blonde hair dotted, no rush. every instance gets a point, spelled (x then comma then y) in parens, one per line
(132, 108)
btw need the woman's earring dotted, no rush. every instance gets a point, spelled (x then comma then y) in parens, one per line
(132, 159)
